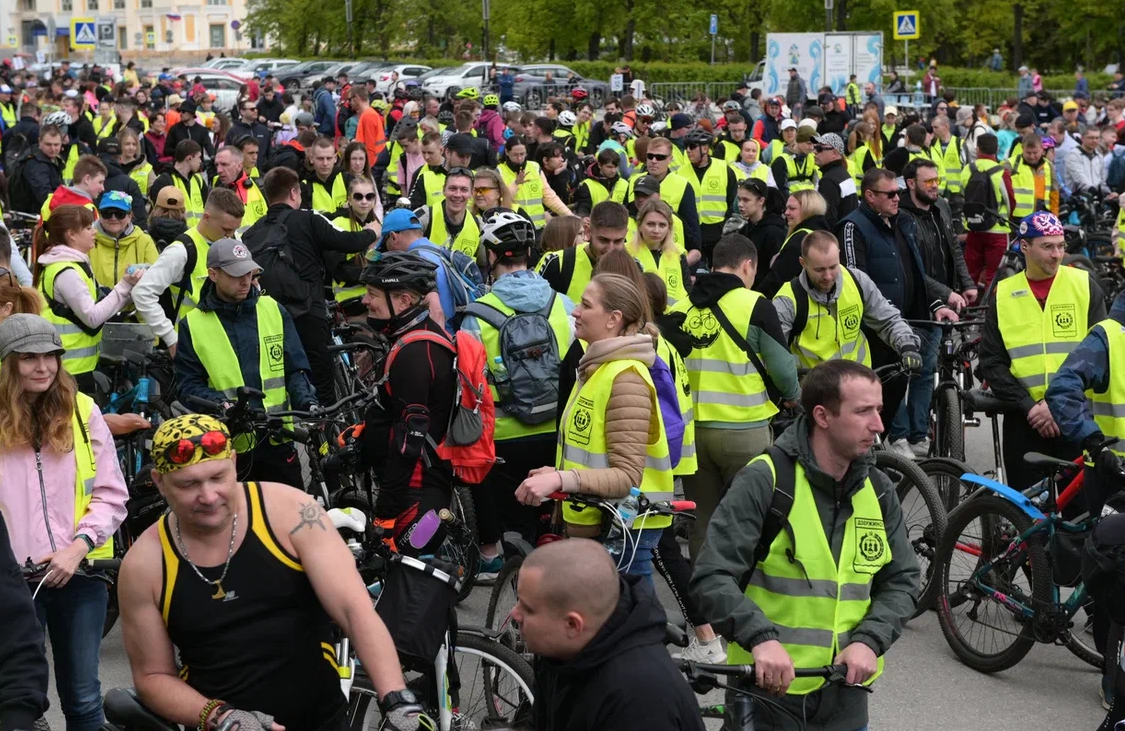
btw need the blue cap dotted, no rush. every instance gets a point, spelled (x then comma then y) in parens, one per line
(400, 219)
(116, 199)
(1041, 223)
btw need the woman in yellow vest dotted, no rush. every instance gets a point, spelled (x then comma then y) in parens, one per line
(611, 435)
(865, 149)
(524, 179)
(750, 165)
(489, 191)
(359, 213)
(63, 498)
(132, 160)
(654, 245)
(65, 278)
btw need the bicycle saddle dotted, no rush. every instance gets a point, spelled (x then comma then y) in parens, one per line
(981, 400)
(124, 710)
(1037, 459)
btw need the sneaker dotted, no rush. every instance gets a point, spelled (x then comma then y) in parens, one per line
(1105, 692)
(902, 447)
(489, 568)
(703, 652)
(921, 450)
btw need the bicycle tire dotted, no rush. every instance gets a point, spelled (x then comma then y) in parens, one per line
(951, 436)
(496, 618)
(1034, 568)
(1087, 653)
(41, 724)
(946, 473)
(460, 546)
(924, 535)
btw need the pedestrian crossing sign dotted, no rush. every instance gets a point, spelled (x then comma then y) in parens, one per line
(906, 25)
(82, 33)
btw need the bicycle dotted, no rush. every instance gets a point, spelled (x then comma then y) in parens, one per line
(100, 569)
(1010, 544)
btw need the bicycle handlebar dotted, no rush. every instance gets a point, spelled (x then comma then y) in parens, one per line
(828, 672)
(31, 570)
(663, 507)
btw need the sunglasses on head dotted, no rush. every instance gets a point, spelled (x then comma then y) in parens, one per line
(460, 171)
(182, 451)
(657, 156)
(114, 213)
(364, 196)
(12, 282)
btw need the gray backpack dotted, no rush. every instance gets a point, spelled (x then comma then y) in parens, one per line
(529, 390)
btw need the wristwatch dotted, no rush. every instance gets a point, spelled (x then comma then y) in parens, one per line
(88, 541)
(397, 698)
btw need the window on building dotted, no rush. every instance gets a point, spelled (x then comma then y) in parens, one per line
(28, 5)
(218, 35)
(91, 4)
(146, 4)
(118, 4)
(150, 37)
(67, 6)
(122, 37)
(217, 2)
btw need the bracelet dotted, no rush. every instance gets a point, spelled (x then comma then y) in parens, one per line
(88, 541)
(206, 712)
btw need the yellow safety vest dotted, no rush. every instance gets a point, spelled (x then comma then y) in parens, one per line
(85, 469)
(671, 189)
(668, 269)
(800, 178)
(689, 462)
(827, 336)
(776, 148)
(509, 427)
(103, 128)
(935, 158)
(727, 150)
(467, 240)
(711, 192)
(598, 192)
(857, 160)
(725, 385)
(529, 196)
(563, 136)
(951, 161)
(1038, 339)
(997, 179)
(391, 176)
(582, 443)
(435, 186)
(1109, 407)
(677, 231)
(581, 136)
(583, 269)
(193, 199)
(82, 349)
(342, 292)
(139, 175)
(814, 601)
(8, 113)
(760, 172)
(255, 206)
(197, 276)
(224, 371)
(72, 156)
(327, 201)
(679, 159)
(1023, 186)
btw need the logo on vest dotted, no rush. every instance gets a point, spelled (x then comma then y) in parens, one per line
(870, 545)
(713, 183)
(849, 318)
(581, 421)
(673, 280)
(1064, 322)
(703, 329)
(275, 352)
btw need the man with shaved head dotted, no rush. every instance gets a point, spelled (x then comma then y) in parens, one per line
(599, 641)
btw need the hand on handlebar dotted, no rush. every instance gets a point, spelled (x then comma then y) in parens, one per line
(540, 483)
(861, 661)
(773, 668)
(970, 295)
(63, 564)
(945, 313)
(911, 360)
(237, 720)
(955, 301)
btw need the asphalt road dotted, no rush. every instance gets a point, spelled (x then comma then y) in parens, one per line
(924, 686)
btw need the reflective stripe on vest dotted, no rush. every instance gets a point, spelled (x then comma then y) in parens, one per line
(139, 175)
(583, 269)
(814, 601)
(828, 337)
(800, 178)
(198, 275)
(679, 159)
(725, 385)
(951, 161)
(340, 291)
(509, 427)
(529, 196)
(1038, 339)
(1023, 186)
(857, 160)
(391, 176)
(8, 113)
(671, 189)
(581, 136)
(325, 201)
(467, 240)
(82, 350)
(582, 442)
(255, 208)
(1109, 407)
(435, 189)
(598, 192)
(711, 192)
(689, 463)
(668, 269)
(193, 199)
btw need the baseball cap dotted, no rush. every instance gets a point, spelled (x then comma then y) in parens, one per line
(679, 121)
(830, 139)
(825, 98)
(1041, 223)
(1026, 120)
(69, 93)
(889, 109)
(807, 122)
(231, 256)
(648, 185)
(116, 199)
(1070, 106)
(774, 101)
(460, 143)
(109, 146)
(24, 333)
(806, 134)
(174, 99)
(788, 124)
(5, 89)
(188, 440)
(303, 119)
(400, 219)
(1043, 94)
(170, 197)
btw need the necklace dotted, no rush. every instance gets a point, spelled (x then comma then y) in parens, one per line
(217, 583)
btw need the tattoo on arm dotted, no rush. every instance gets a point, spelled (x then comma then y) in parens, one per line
(311, 514)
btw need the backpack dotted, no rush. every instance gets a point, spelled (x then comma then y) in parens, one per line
(468, 444)
(781, 504)
(981, 207)
(529, 353)
(668, 398)
(463, 277)
(1116, 177)
(15, 161)
(281, 279)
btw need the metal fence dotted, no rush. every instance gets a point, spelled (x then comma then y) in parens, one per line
(684, 91)
(994, 98)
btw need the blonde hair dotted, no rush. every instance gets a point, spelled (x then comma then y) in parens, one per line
(619, 293)
(811, 203)
(668, 245)
(46, 420)
(494, 175)
(130, 133)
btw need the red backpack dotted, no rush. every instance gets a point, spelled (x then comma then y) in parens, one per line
(468, 443)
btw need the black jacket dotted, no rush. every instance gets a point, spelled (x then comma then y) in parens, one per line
(837, 186)
(165, 230)
(310, 237)
(83, 130)
(271, 110)
(768, 235)
(42, 176)
(290, 155)
(787, 264)
(118, 179)
(23, 664)
(889, 255)
(27, 127)
(834, 121)
(941, 252)
(196, 132)
(623, 679)
(258, 131)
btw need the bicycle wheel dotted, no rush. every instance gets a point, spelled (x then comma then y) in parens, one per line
(982, 631)
(946, 474)
(1080, 640)
(500, 604)
(949, 439)
(923, 514)
(460, 547)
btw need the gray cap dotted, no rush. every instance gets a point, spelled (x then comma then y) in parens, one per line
(646, 186)
(232, 257)
(23, 333)
(303, 119)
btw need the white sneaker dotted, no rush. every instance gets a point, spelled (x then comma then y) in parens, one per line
(703, 652)
(921, 450)
(902, 447)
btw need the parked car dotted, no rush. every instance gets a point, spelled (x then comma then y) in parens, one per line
(405, 71)
(224, 64)
(532, 86)
(291, 77)
(354, 70)
(261, 66)
(223, 84)
(458, 78)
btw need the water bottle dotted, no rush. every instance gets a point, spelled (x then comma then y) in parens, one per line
(499, 370)
(628, 509)
(1038, 493)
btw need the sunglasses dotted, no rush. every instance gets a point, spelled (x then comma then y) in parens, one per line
(889, 193)
(647, 120)
(364, 196)
(113, 213)
(481, 190)
(11, 277)
(182, 451)
(822, 148)
(656, 156)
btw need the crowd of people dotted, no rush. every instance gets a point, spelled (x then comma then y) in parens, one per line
(643, 293)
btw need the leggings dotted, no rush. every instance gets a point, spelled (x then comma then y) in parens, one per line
(672, 565)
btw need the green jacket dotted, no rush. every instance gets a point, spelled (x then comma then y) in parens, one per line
(727, 558)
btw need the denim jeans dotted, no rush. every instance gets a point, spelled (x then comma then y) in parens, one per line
(912, 421)
(73, 616)
(645, 542)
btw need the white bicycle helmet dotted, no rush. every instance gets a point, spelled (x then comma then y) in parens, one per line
(620, 128)
(567, 118)
(645, 110)
(512, 107)
(57, 119)
(504, 231)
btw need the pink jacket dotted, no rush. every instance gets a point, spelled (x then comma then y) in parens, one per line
(72, 292)
(39, 514)
(492, 125)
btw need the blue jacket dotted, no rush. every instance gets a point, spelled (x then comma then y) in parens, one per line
(1087, 367)
(868, 243)
(445, 294)
(325, 112)
(240, 321)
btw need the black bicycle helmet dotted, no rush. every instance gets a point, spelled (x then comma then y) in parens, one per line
(504, 232)
(445, 116)
(400, 93)
(397, 270)
(698, 137)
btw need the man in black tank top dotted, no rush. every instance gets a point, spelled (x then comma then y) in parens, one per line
(245, 581)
